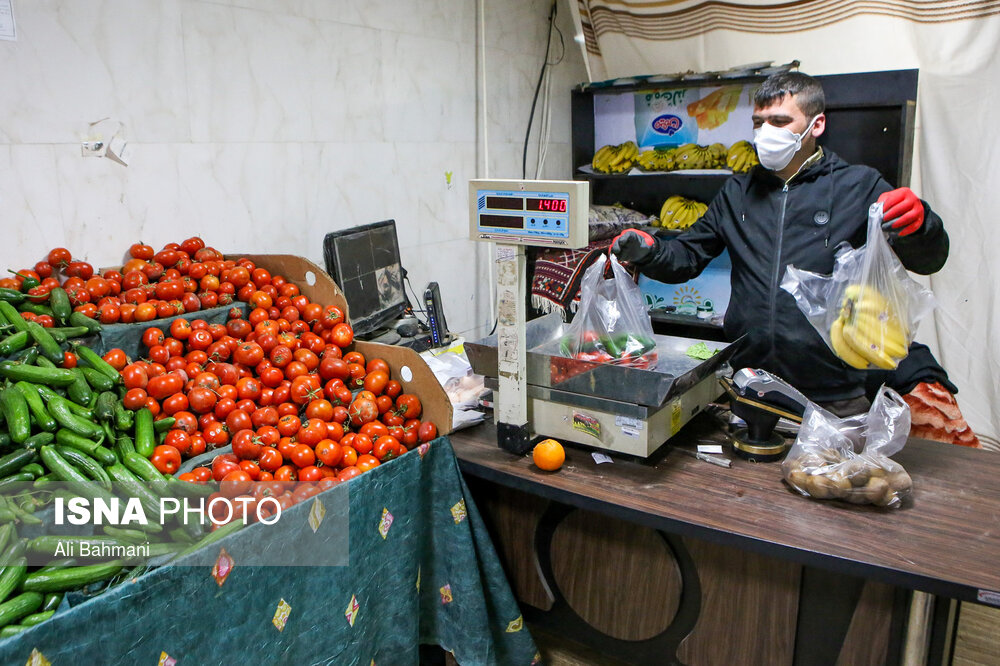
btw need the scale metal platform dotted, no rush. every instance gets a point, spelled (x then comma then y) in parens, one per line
(611, 407)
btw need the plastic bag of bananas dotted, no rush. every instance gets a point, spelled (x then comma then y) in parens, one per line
(868, 310)
(824, 462)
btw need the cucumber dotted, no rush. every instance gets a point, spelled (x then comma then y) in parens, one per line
(16, 413)
(145, 440)
(12, 630)
(37, 618)
(61, 412)
(101, 454)
(94, 360)
(14, 461)
(61, 335)
(20, 606)
(52, 601)
(80, 319)
(12, 577)
(14, 343)
(123, 446)
(104, 410)
(49, 347)
(32, 373)
(59, 302)
(213, 537)
(79, 391)
(188, 489)
(145, 470)
(13, 317)
(35, 442)
(88, 465)
(39, 415)
(164, 424)
(69, 578)
(97, 379)
(131, 536)
(12, 484)
(76, 481)
(129, 485)
(6, 532)
(34, 469)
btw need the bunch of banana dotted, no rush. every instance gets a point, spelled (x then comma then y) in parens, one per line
(868, 331)
(693, 156)
(680, 213)
(616, 159)
(741, 157)
(660, 159)
(719, 154)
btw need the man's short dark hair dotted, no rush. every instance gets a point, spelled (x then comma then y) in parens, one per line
(807, 91)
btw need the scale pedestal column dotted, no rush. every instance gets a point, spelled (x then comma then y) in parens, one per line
(512, 396)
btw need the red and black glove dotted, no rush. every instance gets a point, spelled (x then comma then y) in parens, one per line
(902, 211)
(634, 245)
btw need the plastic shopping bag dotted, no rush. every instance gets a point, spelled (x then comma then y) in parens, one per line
(849, 458)
(612, 324)
(867, 311)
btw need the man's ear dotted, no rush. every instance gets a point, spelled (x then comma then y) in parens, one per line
(819, 126)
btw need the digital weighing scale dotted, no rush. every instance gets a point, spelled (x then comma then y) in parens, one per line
(539, 391)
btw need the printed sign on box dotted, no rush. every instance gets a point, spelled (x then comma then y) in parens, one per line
(710, 289)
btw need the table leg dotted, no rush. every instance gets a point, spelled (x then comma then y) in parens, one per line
(918, 629)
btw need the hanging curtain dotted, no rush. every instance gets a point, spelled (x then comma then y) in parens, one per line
(956, 165)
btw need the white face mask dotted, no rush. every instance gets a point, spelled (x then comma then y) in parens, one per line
(776, 146)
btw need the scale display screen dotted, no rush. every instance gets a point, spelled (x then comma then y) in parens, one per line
(541, 213)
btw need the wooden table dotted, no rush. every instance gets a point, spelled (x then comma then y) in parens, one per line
(944, 540)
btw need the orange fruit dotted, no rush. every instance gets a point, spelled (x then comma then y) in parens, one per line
(548, 454)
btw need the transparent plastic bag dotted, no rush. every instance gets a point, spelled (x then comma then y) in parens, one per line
(612, 324)
(849, 458)
(868, 310)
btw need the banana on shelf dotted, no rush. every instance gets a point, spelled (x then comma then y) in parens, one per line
(868, 332)
(741, 157)
(616, 159)
(678, 212)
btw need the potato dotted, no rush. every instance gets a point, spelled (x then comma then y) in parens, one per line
(798, 479)
(876, 489)
(822, 487)
(840, 481)
(858, 471)
(900, 482)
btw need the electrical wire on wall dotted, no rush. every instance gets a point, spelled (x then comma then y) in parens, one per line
(544, 80)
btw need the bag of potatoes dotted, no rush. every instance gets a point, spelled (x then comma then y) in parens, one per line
(849, 458)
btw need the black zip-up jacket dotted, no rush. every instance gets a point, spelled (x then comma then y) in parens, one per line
(767, 225)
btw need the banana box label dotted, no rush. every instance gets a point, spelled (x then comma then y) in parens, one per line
(705, 115)
(661, 118)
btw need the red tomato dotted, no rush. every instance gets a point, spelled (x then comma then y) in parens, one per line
(329, 452)
(223, 464)
(166, 458)
(427, 431)
(408, 406)
(362, 411)
(238, 420)
(135, 398)
(303, 456)
(343, 335)
(236, 482)
(164, 386)
(271, 459)
(178, 439)
(246, 445)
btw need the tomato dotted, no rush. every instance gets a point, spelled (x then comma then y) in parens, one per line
(393, 388)
(311, 432)
(178, 439)
(385, 448)
(362, 411)
(135, 398)
(166, 458)
(158, 354)
(366, 462)
(198, 446)
(302, 456)
(202, 400)
(427, 431)
(59, 257)
(343, 335)
(329, 452)
(200, 340)
(223, 464)
(350, 456)
(362, 443)
(308, 358)
(45, 321)
(246, 446)
(373, 429)
(348, 473)
(80, 269)
(180, 329)
(152, 336)
(295, 369)
(286, 473)
(216, 434)
(253, 470)
(164, 386)
(201, 474)
(248, 388)
(265, 416)
(409, 438)
(305, 388)
(319, 409)
(408, 406)
(177, 402)
(376, 381)
(248, 353)
(271, 459)
(280, 356)
(235, 482)
(238, 420)
(340, 414)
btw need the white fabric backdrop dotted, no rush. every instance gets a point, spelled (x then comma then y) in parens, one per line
(957, 148)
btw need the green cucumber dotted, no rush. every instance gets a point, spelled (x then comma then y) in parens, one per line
(14, 343)
(14, 461)
(104, 410)
(188, 489)
(39, 415)
(76, 481)
(145, 440)
(12, 316)
(79, 391)
(12, 484)
(80, 319)
(130, 485)
(52, 601)
(86, 464)
(20, 606)
(64, 334)
(36, 442)
(12, 577)
(34, 469)
(50, 348)
(16, 414)
(94, 360)
(36, 308)
(70, 439)
(213, 537)
(37, 618)
(69, 578)
(61, 412)
(97, 379)
(32, 373)
(59, 302)
(145, 470)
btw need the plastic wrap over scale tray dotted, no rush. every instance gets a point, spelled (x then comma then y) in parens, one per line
(674, 374)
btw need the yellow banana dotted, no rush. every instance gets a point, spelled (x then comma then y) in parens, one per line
(886, 335)
(843, 349)
(869, 349)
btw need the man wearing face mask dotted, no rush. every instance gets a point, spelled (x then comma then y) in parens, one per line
(795, 208)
